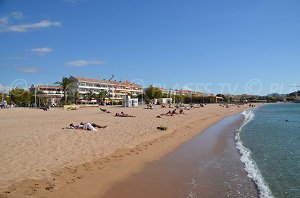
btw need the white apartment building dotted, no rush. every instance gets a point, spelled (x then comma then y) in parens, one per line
(115, 89)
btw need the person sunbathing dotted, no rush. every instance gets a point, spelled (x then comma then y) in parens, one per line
(169, 113)
(104, 110)
(86, 126)
(122, 114)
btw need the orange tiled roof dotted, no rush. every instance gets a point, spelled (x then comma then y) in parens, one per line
(111, 82)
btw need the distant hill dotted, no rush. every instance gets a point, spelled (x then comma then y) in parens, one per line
(293, 94)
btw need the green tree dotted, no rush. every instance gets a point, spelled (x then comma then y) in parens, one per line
(179, 98)
(76, 96)
(20, 97)
(65, 83)
(271, 99)
(103, 94)
(153, 92)
(5, 97)
(90, 95)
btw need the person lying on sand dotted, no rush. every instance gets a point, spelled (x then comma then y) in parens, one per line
(86, 126)
(123, 115)
(46, 108)
(169, 113)
(104, 110)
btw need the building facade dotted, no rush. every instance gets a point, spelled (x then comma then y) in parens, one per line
(51, 93)
(115, 89)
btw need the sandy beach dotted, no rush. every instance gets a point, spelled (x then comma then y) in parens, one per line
(40, 159)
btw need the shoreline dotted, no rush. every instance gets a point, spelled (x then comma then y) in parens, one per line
(94, 178)
(208, 165)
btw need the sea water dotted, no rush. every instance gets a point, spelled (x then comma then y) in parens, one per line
(269, 143)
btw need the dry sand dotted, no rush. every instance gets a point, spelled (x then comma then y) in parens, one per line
(40, 159)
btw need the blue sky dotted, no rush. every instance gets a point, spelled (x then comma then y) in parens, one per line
(217, 46)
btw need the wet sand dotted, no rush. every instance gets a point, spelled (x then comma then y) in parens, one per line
(206, 166)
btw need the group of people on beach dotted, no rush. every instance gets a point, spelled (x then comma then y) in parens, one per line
(171, 113)
(180, 108)
(93, 126)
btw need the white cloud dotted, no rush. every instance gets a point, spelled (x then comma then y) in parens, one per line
(27, 69)
(42, 51)
(81, 63)
(6, 24)
(29, 26)
(11, 16)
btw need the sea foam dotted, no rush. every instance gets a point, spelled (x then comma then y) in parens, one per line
(250, 165)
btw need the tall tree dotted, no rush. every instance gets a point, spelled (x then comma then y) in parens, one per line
(65, 83)
(20, 97)
(76, 96)
(153, 92)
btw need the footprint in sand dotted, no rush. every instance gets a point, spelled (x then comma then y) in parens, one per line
(70, 182)
(56, 174)
(50, 187)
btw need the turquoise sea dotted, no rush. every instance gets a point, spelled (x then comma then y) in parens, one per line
(269, 143)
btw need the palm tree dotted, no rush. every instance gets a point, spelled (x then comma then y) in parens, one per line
(65, 83)
(90, 95)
